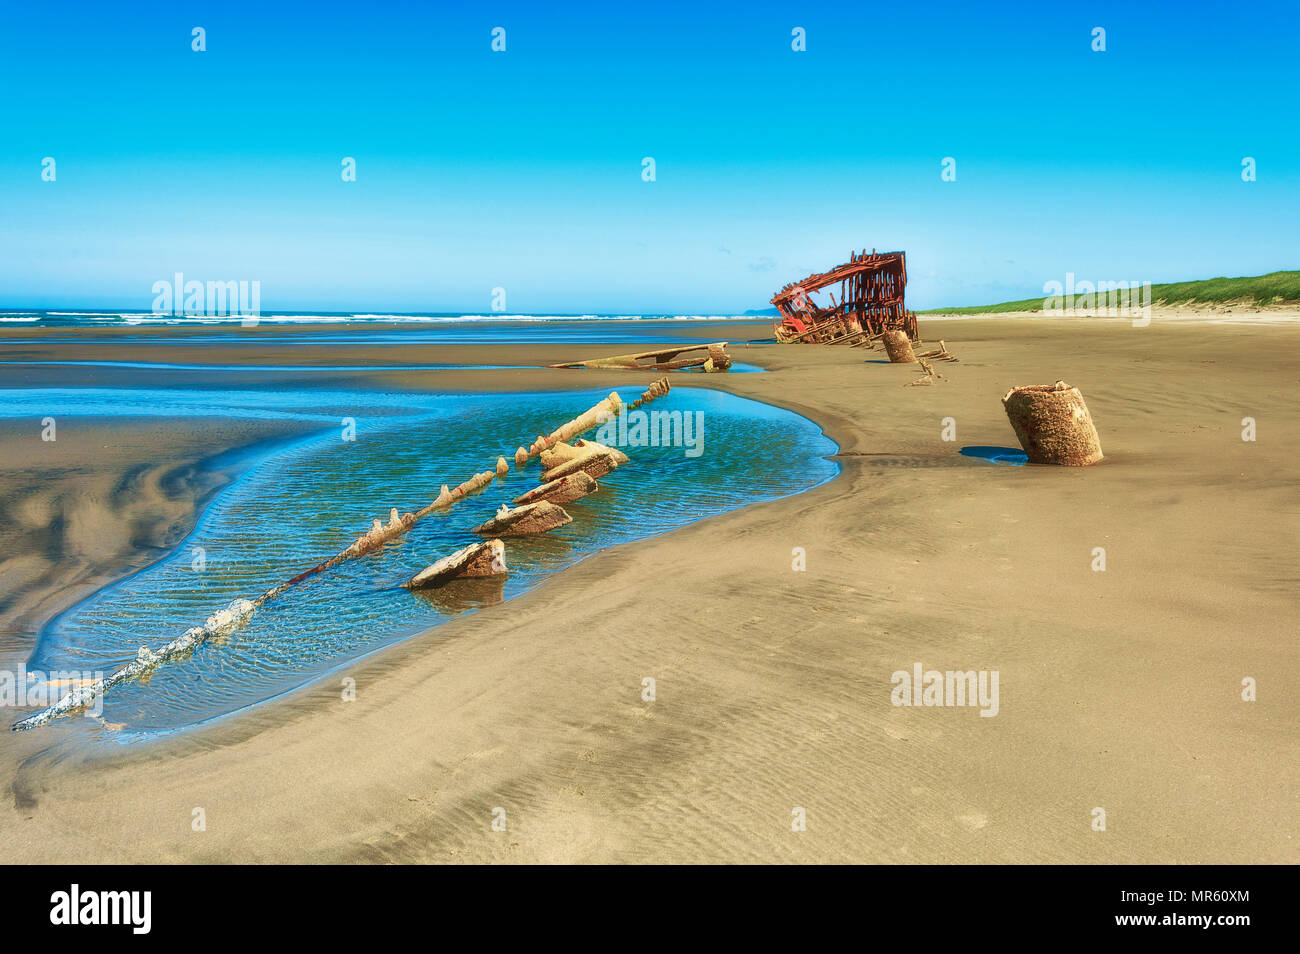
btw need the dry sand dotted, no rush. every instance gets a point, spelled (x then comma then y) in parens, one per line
(1119, 689)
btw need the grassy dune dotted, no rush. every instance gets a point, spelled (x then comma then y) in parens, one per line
(1275, 288)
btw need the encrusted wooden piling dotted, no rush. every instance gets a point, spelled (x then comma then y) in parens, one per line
(594, 465)
(598, 414)
(656, 390)
(531, 518)
(1053, 425)
(899, 348)
(554, 456)
(562, 490)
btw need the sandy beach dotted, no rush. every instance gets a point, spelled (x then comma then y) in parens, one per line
(1119, 690)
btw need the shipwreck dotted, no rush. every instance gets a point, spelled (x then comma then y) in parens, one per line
(709, 358)
(870, 302)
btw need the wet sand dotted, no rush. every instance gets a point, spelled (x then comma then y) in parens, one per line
(1118, 689)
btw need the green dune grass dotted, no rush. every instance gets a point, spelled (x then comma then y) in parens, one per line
(1275, 288)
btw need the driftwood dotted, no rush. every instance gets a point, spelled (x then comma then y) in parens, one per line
(476, 560)
(561, 490)
(714, 358)
(1053, 425)
(532, 518)
(940, 353)
(931, 375)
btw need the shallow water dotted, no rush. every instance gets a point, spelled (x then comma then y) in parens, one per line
(737, 367)
(301, 504)
(1012, 456)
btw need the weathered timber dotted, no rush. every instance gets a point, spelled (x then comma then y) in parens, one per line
(583, 446)
(561, 453)
(594, 465)
(656, 390)
(940, 353)
(539, 517)
(553, 456)
(707, 357)
(598, 414)
(561, 490)
(476, 560)
(931, 375)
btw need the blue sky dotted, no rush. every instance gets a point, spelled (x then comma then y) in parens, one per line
(522, 169)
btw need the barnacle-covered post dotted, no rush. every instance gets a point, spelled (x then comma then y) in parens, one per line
(1053, 424)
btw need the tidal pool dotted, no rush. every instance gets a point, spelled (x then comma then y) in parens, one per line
(301, 503)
